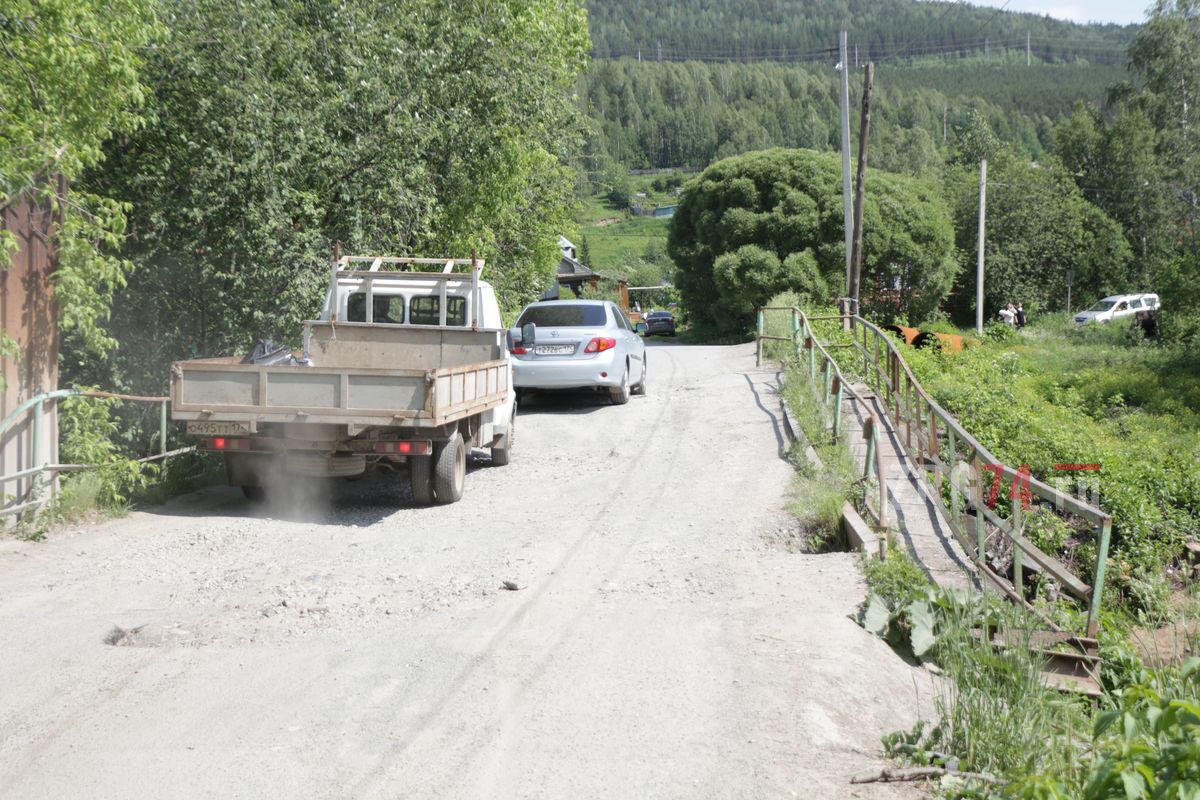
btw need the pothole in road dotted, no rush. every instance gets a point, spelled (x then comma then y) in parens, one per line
(146, 636)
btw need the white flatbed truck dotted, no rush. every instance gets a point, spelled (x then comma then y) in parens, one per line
(406, 370)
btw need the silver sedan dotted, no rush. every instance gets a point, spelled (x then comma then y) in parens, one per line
(575, 344)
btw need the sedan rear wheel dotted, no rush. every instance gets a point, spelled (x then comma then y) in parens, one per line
(620, 394)
(640, 387)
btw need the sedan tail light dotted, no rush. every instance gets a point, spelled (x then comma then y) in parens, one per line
(600, 344)
(519, 350)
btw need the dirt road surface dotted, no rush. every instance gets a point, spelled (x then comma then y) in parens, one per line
(664, 641)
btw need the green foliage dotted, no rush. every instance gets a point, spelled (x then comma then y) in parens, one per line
(1039, 225)
(70, 78)
(88, 435)
(1150, 743)
(896, 580)
(761, 223)
(276, 129)
(70, 72)
(994, 713)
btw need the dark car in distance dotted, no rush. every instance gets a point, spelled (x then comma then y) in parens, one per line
(659, 322)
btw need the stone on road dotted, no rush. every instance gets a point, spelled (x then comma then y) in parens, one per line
(344, 643)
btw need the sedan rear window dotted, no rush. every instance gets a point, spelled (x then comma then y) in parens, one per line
(566, 316)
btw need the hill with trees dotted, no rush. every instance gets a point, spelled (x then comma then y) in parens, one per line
(807, 30)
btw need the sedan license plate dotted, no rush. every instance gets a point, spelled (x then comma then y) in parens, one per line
(217, 428)
(554, 349)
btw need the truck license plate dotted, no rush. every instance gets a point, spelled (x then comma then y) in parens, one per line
(217, 428)
(554, 349)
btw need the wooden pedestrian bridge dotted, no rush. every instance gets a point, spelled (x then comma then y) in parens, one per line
(934, 490)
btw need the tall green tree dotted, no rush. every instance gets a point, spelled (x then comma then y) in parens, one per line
(1039, 226)
(756, 224)
(69, 79)
(276, 128)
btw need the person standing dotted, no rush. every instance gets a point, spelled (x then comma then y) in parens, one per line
(1020, 317)
(1008, 314)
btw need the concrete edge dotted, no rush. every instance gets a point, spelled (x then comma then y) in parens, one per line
(859, 534)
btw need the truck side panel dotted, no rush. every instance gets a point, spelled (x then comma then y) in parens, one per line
(349, 344)
(215, 389)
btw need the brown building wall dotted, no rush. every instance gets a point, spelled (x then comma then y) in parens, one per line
(29, 315)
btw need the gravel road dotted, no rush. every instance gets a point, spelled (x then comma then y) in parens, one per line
(666, 641)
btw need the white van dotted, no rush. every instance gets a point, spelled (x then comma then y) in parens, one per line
(1119, 306)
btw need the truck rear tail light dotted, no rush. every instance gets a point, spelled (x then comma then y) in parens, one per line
(405, 448)
(600, 344)
(225, 443)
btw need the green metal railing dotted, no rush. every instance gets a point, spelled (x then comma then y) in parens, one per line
(948, 457)
(33, 497)
(831, 389)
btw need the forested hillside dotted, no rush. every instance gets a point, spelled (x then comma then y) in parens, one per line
(806, 30)
(648, 114)
(682, 84)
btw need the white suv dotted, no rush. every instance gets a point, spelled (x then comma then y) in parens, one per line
(1119, 306)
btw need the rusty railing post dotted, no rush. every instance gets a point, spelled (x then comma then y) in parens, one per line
(758, 340)
(1093, 620)
(837, 408)
(1015, 526)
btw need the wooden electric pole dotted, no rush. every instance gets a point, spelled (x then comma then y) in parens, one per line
(847, 191)
(860, 189)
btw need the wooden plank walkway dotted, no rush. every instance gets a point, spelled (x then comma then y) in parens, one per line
(915, 518)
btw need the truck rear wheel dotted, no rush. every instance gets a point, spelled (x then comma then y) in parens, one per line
(450, 470)
(420, 479)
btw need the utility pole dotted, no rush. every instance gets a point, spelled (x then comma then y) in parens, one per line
(855, 58)
(658, 50)
(1028, 56)
(979, 263)
(847, 197)
(861, 187)
(987, 52)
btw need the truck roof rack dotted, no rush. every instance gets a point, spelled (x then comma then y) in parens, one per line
(396, 265)
(366, 270)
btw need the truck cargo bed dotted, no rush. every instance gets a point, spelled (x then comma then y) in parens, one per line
(440, 375)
